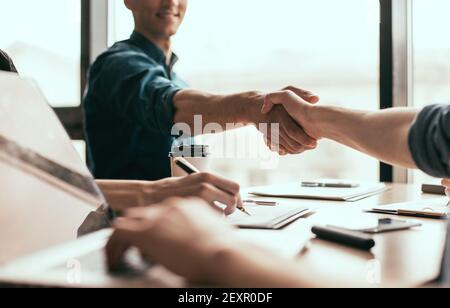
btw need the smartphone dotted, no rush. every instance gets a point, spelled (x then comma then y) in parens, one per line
(389, 225)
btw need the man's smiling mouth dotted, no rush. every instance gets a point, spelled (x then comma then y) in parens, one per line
(167, 14)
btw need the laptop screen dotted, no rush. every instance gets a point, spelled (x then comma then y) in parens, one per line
(46, 190)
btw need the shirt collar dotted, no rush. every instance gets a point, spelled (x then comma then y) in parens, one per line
(152, 50)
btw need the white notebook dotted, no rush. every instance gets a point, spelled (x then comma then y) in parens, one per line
(434, 208)
(267, 217)
(297, 191)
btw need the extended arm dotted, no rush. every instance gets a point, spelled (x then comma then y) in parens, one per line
(381, 134)
(239, 108)
(223, 112)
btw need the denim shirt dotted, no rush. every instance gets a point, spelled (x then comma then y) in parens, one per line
(128, 109)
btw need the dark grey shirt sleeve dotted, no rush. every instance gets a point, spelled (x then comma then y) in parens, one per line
(429, 141)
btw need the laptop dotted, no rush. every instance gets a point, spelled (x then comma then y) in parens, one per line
(54, 220)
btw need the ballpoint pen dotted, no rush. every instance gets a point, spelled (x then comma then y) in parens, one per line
(190, 169)
(329, 185)
(263, 203)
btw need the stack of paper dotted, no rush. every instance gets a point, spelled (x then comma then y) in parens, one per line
(267, 217)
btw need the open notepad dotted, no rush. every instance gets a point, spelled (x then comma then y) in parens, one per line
(267, 217)
(297, 191)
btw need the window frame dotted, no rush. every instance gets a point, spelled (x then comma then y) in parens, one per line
(396, 74)
(94, 39)
(396, 68)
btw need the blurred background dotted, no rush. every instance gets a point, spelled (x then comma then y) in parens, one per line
(329, 47)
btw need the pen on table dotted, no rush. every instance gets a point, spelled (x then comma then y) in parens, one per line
(329, 185)
(262, 203)
(190, 169)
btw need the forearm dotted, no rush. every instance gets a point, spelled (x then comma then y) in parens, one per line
(244, 266)
(122, 195)
(381, 134)
(221, 109)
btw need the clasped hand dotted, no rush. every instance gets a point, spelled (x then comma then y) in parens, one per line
(287, 108)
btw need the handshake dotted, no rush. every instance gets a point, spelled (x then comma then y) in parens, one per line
(286, 112)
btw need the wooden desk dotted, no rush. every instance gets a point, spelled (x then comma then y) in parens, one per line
(400, 259)
(406, 258)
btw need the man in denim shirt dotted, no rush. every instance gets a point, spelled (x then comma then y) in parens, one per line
(134, 98)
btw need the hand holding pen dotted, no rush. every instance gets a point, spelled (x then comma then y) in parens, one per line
(228, 190)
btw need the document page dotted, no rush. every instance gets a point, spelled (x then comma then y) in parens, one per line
(267, 217)
(295, 190)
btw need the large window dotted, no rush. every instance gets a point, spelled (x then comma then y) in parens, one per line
(431, 55)
(43, 38)
(328, 46)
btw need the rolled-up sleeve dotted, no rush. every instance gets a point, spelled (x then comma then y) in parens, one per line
(137, 89)
(429, 140)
